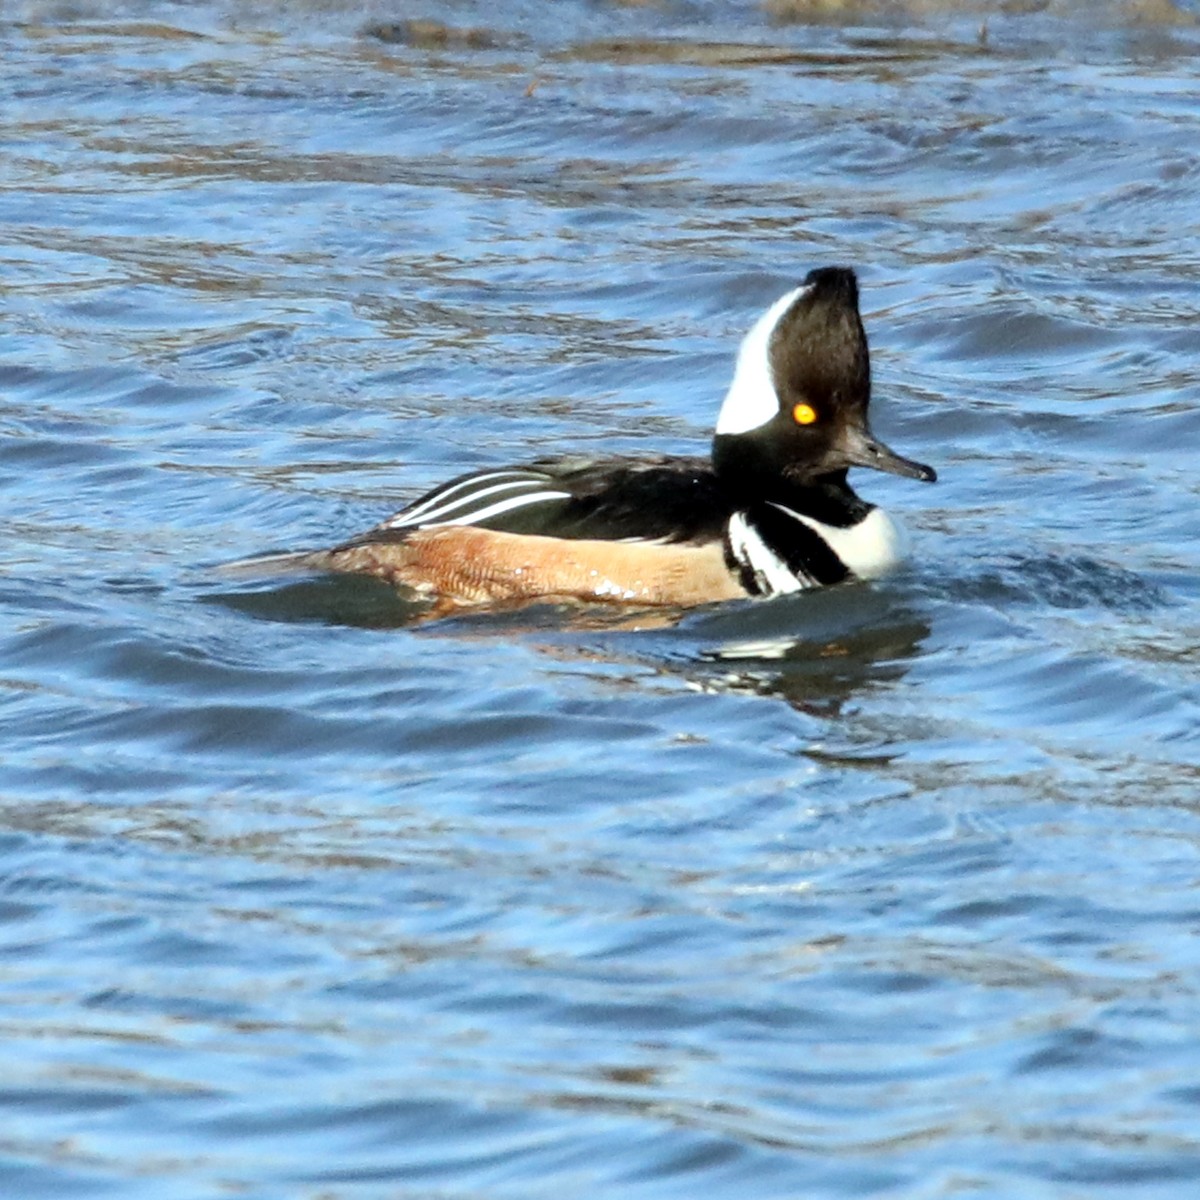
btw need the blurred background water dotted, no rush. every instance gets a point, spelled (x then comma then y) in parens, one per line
(887, 891)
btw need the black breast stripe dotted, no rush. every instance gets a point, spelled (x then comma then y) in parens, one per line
(801, 549)
(746, 574)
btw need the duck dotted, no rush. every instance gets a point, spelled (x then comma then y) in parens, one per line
(768, 512)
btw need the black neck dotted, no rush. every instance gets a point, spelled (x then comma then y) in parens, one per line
(749, 475)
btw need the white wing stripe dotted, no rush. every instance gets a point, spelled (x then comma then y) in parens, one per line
(502, 506)
(462, 504)
(442, 494)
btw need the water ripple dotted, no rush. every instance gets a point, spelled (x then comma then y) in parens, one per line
(886, 890)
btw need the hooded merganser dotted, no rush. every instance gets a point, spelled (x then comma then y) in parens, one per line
(770, 512)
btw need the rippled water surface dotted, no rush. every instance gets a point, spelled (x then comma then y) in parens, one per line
(892, 890)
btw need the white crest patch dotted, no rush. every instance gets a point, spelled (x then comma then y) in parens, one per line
(752, 400)
(869, 549)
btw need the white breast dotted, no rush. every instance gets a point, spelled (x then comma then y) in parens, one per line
(869, 549)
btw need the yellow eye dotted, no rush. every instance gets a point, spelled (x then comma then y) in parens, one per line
(804, 414)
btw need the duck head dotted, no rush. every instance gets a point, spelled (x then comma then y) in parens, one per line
(796, 412)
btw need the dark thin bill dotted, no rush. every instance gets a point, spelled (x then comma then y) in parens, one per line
(866, 450)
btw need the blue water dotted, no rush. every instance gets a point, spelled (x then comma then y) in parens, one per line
(888, 891)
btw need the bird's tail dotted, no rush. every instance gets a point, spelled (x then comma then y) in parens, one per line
(278, 564)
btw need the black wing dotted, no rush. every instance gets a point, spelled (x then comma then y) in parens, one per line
(664, 499)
